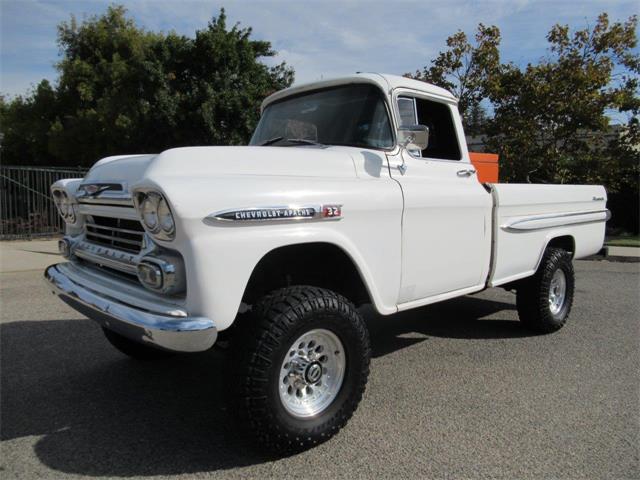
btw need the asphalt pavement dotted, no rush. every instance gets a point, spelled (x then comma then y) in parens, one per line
(457, 390)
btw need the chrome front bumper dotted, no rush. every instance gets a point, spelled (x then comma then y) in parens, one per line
(167, 328)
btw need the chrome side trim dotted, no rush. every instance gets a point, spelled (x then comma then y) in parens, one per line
(276, 213)
(176, 332)
(539, 222)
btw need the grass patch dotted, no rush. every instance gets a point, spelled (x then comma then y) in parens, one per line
(623, 241)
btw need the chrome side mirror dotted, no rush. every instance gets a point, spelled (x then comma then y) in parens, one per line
(413, 137)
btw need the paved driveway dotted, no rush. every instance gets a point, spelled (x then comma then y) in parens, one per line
(456, 390)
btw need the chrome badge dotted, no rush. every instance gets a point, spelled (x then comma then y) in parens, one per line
(259, 214)
(95, 189)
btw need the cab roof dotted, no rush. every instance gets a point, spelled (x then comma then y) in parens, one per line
(386, 82)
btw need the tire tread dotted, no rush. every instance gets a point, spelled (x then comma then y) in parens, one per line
(260, 335)
(532, 293)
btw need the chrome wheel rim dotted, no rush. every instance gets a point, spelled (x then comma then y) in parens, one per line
(557, 291)
(311, 373)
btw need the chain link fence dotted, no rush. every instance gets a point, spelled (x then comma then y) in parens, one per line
(26, 207)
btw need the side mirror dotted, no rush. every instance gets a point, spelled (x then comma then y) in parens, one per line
(414, 137)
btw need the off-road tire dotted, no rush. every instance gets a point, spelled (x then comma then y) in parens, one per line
(134, 349)
(532, 294)
(261, 342)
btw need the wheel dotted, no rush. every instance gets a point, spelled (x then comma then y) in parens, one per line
(544, 300)
(135, 349)
(302, 362)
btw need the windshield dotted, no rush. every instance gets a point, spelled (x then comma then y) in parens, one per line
(353, 115)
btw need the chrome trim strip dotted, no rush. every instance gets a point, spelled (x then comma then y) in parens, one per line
(276, 213)
(113, 211)
(125, 201)
(105, 260)
(114, 229)
(169, 332)
(540, 222)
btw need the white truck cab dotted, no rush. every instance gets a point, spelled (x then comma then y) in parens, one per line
(354, 190)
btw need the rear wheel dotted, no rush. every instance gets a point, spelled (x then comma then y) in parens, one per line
(302, 360)
(544, 301)
(135, 349)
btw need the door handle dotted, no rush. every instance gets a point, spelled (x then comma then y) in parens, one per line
(466, 173)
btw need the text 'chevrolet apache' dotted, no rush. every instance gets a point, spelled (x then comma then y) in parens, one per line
(352, 191)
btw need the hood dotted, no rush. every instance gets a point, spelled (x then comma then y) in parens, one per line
(200, 162)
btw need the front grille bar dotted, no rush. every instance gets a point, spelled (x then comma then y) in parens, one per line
(115, 239)
(113, 229)
(118, 233)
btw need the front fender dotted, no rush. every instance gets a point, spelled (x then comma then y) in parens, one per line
(220, 256)
(218, 282)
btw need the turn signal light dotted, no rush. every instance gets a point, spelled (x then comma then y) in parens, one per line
(150, 275)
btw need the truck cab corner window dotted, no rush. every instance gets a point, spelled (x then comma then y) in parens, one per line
(443, 141)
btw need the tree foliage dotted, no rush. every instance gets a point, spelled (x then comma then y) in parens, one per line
(122, 89)
(551, 121)
(466, 70)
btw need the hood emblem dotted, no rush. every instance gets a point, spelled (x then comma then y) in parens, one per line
(290, 212)
(95, 189)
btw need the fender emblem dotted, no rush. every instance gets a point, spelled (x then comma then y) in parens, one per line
(290, 212)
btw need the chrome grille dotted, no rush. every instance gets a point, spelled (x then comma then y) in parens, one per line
(118, 233)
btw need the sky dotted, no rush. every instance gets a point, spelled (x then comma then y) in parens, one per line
(319, 39)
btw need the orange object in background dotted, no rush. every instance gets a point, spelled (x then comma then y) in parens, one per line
(486, 165)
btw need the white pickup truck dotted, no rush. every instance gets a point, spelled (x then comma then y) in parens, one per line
(353, 191)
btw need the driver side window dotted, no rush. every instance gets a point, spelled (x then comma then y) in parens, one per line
(443, 141)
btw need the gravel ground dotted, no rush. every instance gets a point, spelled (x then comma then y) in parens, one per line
(457, 390)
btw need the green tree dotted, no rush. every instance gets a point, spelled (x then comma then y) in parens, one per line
(25, 122)
(123, 89)
(551, 119)
(467, 71)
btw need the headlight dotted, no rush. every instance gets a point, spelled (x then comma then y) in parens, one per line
(150, 212)
(156, 214)
(64, 205)
(165, 218)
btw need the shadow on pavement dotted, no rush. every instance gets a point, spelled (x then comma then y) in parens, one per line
(461, 318)
(100, 414)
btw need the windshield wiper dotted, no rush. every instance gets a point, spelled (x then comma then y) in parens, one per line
(291, 141)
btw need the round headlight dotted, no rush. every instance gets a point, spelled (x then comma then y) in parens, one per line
(71, 214)
(150, 212)
(65, 205)
(164, 217)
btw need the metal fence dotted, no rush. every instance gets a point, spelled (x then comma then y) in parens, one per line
(26, 207)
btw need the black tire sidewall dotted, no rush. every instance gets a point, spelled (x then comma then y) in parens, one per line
(532, 295)
(559, 261)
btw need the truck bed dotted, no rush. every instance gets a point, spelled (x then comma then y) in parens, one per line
(526, 217)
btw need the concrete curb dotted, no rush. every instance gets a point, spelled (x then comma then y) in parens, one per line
(604, 255)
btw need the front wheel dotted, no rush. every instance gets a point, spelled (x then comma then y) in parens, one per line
(544, 301)
(302, 360)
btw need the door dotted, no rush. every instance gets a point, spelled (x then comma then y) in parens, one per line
(446, 228)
